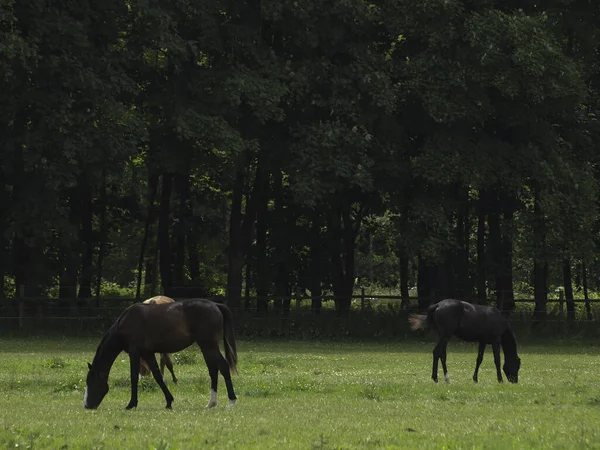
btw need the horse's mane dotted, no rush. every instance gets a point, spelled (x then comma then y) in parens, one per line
(108, 341)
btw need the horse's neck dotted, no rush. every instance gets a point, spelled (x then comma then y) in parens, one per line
(509, 344)
(107, 352)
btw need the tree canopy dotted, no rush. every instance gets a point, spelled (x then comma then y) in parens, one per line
(297, 147)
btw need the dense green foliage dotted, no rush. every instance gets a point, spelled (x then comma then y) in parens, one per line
(295, 147)
(305, 395)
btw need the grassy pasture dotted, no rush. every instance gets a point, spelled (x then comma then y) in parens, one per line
(306, 395)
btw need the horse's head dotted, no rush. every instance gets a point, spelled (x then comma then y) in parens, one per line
(511, 369)
(95, 389)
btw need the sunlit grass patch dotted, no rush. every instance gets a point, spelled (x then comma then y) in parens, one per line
(307, 395)
(55, 363)
(186, 357)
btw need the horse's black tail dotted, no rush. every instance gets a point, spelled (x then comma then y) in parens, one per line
(229, 337)
(419, 321)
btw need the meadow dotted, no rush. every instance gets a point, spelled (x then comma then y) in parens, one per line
(306, 395)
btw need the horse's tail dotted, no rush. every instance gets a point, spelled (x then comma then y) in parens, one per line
(229, 337)
(419, 321)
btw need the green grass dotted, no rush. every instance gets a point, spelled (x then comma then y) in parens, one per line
(306, 395)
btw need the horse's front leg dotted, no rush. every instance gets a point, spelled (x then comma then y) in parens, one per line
(134, 368)
(496, 349)
(151, 361)
(479, 360)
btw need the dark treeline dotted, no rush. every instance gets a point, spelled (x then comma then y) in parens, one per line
(285, 147)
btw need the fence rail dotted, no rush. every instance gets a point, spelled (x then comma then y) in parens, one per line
(42, 308)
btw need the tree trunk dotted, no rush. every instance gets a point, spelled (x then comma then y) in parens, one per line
(193, 257)
(495, 244)
(540, 287)
(404, 292)
(505, 274)
(343, 230)
(151, 267)
(338, 277)
(87, 236)
(4, 253)
(236, 250)
(103, 238)
(197, 285)
(150, 219)
(282, 228)
(568, 285)
(248, 287)
(180, 232)
(71, 257)
(462, 253)
(240, 232)
(588, 307)
(425, 288)
(164, 245)
(316, 255)
(262, 269)
(540, 265)
(481, 256)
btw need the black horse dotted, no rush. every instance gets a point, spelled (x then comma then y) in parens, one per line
(471, 323)
(143, 330)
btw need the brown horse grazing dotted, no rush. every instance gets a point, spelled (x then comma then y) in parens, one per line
(471, 323)
(165, 358)
(143, 330)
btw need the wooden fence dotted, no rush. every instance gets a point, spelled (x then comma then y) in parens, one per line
(21, 310)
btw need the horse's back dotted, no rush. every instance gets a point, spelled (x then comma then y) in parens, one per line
(159, 300)
(161, 328)
(469, 322)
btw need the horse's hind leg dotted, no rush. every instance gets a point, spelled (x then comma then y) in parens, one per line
(444, 346)
(439, 352)
(215, 363)
(165, 360)
(436, 357)
(479, 360)
(153, 365)
(496, 349)
(226, 372)
(211, 355)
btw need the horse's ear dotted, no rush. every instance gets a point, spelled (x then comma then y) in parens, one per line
(89, 366)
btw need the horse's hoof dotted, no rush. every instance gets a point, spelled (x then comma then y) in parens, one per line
(174, 380)
(475, 380)
(447, 378)
(434, 379)
(231, 402)
(130, 406)
(169, 407)
(210, 405)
